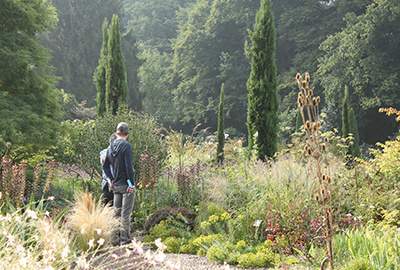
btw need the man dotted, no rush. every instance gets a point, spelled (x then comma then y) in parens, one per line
(105, 184)
(119, 157)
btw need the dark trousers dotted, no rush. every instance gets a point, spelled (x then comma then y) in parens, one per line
(108, 196)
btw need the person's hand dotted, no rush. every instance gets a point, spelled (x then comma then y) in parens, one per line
(112, 185)
(131, 189)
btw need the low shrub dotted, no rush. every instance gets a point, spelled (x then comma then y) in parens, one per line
(173, 244)
(179, 214)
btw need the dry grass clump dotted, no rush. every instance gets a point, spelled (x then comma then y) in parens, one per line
(91, 223)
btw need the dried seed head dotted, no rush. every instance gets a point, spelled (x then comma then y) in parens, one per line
(323, 191)
(323, 147)
(317, 198)
(310, 92)
(314, 102)
(318, 99)
(307, 78)
(329, 209)
(326, 139)
(304, 85)
(8, 144)
(315, 127)
(307, 101)
(319, 124)
(299, 100)
(300, 104)
(308, 124)
(300, 95)
(323, 177)
(329, 180)
(298, 76)
(309, 151)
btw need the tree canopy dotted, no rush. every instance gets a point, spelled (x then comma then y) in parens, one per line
(28, 99)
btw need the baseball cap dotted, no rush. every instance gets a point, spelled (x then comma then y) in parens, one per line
(122, 128)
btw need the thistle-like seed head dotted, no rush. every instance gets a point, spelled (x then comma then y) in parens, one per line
(315, 127)
(298, 76)
(308, 124)
(307, 78)
(305, 147)
(310, 92)
(323, 191)
(318, 99)
(317, 198)
(300, 95)
(314, 101)
(319, 124)
(326, 139)
(304, 85)
(323, 177)
(329, 180)
(309, 151)
(323, 147)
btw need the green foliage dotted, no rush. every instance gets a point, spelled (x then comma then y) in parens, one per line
(221, 131)
(261, 256)
(26, 80)
(172, 244)
(362, 56)
(346, 125)
(76, 43)
(371, 247)
(299, 121)
(385, 161)
(80, 142)
(208, 51)
(354, 131)
(99, 77)
(116, 85)
(262, 119)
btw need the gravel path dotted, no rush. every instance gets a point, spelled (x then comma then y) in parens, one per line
(194, 262)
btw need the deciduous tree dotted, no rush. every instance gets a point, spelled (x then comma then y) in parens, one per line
(28, 98)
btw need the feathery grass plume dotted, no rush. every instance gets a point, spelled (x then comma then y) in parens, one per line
(90, 221)
(314, 150)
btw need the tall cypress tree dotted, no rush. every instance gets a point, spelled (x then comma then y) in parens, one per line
(299, 120)
(100, 73)
(354, 131)
(221, 133)
(262, 119)
(116, 85)
(346, 122)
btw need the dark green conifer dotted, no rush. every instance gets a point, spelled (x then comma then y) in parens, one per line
(221, 132)
(346, 123)
(100, 73)
(262, 119)
(354, 131)
(299, 120)
(116, 85)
